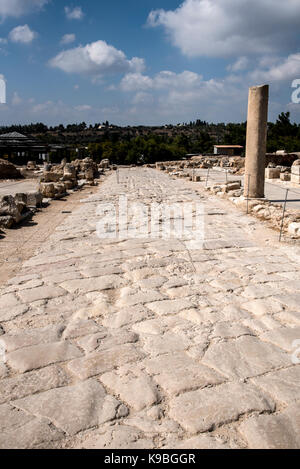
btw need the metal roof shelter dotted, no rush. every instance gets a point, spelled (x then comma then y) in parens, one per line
(17, 147)
(230, 150)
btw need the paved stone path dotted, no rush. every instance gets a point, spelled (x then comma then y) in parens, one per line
(17, 187)
(141, 343)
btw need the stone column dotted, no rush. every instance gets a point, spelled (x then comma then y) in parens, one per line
(256, 141)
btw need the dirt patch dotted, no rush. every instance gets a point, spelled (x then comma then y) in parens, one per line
(19, 244)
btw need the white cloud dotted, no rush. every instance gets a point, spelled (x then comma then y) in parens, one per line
(96, 59)
(22, 34)
(221, 28)
(83, 108)
(163, 80)
(16, 100)
(240, 64)
(68, 39)
(74, 13)
(17, 8)
(285, 70)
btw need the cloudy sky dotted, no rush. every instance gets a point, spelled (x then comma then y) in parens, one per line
(146, 61)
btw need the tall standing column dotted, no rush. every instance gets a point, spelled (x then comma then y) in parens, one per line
(256, 141)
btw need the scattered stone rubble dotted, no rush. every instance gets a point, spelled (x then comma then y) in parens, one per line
(55, 182)
(236, 163)
(8, 170)
(15, 209)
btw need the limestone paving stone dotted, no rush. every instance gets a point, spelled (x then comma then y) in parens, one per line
(186, 351)
(161, 344)
(10, 418)
(32, 337)
(121, 437)
(280, 431)
(245, 357)
(133, 386)
(38, 356)
(107, 282)
(282, 385)
(206, 409)
(3, 371)
(73, 408)
(100, 362)
(35, 434)
(196, 442)
(283, 337)
(169, 306)
(79, 328)
(103, 340)
(127, 316)
(290, 318)
(40, 293)
(261, 307)
(177, 373)
(32, 383)
(132, 298)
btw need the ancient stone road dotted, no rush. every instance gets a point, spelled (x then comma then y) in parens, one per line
(141, 343)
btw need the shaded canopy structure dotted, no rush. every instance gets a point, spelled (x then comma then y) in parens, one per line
(19, 148)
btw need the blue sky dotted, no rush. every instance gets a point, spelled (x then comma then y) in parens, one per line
(146, 62)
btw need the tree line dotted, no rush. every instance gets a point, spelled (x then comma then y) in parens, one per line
(131, 145)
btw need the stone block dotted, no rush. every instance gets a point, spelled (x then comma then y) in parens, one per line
(295, 179)
(34, 199)
(272, 173)
(296, 170)
(294, 229)
(285, 176)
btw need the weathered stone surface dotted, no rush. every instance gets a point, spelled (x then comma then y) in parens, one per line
(73, 408)
(282, 385)
(196, 442)
(158, 345)
(169, 306)
(230, 330)
(10, 307)
(133, 386)
(103, 341)
(80, 328)
(182, 339)
(245, 357)
(107, 282)
(280, 431)
(100, 362)
(3, 369)
(127, 316)
(41, 293)
(11, 417)
(31, 383)
(37, 356)
(36, 433)
(177, 373)
(262, 306)
(32, 337)
(283, 337)
(121, 437)
(206, 409)
(131, 298)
